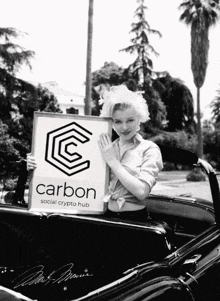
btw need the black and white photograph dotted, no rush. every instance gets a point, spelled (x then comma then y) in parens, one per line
(110, 150)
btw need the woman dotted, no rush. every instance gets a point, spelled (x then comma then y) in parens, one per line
(133, 161)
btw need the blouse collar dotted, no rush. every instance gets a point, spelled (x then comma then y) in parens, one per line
(136, 139)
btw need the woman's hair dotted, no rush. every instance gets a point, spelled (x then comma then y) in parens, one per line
(119, 97)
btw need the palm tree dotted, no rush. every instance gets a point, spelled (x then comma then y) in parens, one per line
(88, 109)
(200, 15)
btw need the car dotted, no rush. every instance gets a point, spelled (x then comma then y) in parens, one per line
(173, 255)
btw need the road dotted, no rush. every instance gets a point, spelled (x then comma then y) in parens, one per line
(174, 183)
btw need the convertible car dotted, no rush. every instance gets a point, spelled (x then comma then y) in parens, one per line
(173, 255)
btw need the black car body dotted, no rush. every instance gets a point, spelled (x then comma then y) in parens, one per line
(172, 255)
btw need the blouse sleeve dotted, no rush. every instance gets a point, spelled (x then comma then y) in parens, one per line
(151, 165)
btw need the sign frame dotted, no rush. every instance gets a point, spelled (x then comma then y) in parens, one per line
(71, 127)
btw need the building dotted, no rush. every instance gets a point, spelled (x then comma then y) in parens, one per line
(70, 103)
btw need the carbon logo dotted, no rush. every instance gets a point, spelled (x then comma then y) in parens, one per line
(61, 147)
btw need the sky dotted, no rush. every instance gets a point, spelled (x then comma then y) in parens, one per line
(57, 33)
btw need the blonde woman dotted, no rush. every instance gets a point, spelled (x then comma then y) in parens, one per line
(133, 161)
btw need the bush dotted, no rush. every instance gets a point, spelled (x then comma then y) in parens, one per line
(196, 175)
(211, 142)
(179, 139)
(168, 166)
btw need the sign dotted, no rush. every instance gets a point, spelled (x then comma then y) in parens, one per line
(71, 175)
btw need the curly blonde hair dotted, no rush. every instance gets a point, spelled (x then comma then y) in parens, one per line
(121, 95)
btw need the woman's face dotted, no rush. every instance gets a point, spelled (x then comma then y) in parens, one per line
(126, 123)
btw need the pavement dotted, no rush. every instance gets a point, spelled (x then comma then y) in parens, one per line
(174, 183)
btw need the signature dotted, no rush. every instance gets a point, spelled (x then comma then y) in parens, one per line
(37, 275)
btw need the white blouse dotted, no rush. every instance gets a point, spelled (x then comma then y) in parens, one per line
(142, 158)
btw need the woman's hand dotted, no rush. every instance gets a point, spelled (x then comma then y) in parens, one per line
(107, 149)
(208, 168)
(137, 187)
(31, 162)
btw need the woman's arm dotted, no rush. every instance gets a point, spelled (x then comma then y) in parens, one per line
(138, 188)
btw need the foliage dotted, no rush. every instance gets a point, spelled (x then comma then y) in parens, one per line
(169, 100)
(196, 175)
(180, 139)
(200, 15)
(8, 151)
(211, 139)
(17, 112)
(142, 67)
(111, 74)
(25, 104)
(18, 100)
(215, 106)
(157, 110)
(178, 100)
(12, 55)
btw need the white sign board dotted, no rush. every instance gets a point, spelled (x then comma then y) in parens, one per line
(71, 175)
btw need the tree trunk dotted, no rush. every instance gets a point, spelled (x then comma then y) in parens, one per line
(199, 127)
(87, 109)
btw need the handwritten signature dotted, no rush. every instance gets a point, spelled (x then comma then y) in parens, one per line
(37, 275)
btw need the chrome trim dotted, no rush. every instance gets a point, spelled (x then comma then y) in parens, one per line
(108, 286)
(157, 229)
